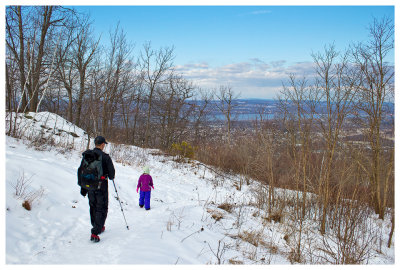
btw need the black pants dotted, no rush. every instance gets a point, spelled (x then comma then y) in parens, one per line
(98, 202)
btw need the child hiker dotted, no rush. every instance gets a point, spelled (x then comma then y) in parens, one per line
(144, 183)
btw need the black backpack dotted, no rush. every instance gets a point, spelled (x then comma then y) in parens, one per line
(91, 170)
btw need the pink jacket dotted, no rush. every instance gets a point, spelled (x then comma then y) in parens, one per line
(145, 182)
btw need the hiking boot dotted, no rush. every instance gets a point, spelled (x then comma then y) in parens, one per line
(147, 208)
(95, 238)
(141, 206)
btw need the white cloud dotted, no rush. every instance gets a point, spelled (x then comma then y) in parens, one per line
(277, 64)
(254, 78)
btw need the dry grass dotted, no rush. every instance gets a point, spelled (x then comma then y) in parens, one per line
(276, 216)
(294, 257)
(252, 237)
(232, 261)
(273, 249)
(215, 214)
(26, 205)
(226, 206)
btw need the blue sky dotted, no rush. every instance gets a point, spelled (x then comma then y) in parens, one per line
(251, 48)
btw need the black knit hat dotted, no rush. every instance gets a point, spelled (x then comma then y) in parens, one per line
(99, 140)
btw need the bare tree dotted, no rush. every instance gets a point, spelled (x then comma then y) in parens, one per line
(117, 76)
(84, 50)
(32, 33)
(201, 112)
(337, 84)
(11, 85)
(172, 110)
(16, 41)
(156, 67)
(138, 109)
(226, 97)
(376, 88)
(130, 103)
(298, 103)
(92, 122)
(66, 73)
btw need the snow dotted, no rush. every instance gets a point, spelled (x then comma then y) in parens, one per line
(179, 228)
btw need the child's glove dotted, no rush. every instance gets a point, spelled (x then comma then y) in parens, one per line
(152, 186)
(137, 190)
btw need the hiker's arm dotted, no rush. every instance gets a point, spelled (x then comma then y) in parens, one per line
(79, 174)
(110, 168)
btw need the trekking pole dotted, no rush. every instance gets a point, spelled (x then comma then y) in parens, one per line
(122, 210)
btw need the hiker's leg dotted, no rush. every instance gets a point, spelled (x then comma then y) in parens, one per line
(104, 209)
(92, 206)
(147, 200)
(101, 211)
(141, 199)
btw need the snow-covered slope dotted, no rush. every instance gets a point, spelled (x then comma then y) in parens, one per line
(34, 126)
(182, 227)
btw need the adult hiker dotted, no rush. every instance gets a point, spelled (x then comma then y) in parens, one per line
(95, 169)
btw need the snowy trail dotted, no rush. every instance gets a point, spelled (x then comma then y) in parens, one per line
(60, 222)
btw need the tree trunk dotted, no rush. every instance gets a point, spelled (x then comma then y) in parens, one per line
(9, 91)
(147, 135)
(80, 99)
(21, 62)
(34, 96)
(70, 118)
(391, 231)
(135, 122)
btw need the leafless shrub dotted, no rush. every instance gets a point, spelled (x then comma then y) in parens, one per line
(126, 155)
(21, 186)
(251, 253)
(240, 215)
(350, 239)
(294, 256)
(40, 142)
(175, 219)
(34, 196)
(270, 242)
(14, 128)
(261, 195)
(24, 192)
(141, 157)
(65, 150)
(220, 250)
(277, 212)
(121, 154)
